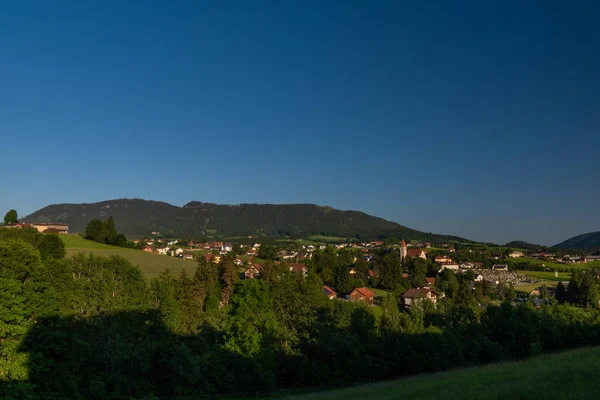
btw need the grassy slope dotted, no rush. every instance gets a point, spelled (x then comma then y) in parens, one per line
(568, 375)
(150, 264)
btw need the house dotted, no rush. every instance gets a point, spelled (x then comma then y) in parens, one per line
(51, 228)
(298, 268)
(478, 278)
(352, 271)
(471, 265)
(516, 254)
(179, 251)
(226, 247)
(164, 250)
(373, 274)
(210, 257)
(430, 282)
(253, 271)
(451, 265)
(592, 257)
(251, 252)
(442, 259)
(362, 294)
(329, 292)
(500, 267)
(238, 262)
(148, 249)
(187, 255)
(496, 256)
(416, 253)
(150, 242)
(416, 296)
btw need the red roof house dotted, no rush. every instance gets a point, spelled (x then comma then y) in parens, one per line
(329, 292)
(362, 294)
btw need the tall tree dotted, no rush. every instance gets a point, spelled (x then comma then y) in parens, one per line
(10, 217)
(95, 230)
(110, 231)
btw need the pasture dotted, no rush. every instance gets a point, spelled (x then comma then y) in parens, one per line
(151, 264)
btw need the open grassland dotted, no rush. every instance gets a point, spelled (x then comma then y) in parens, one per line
(328, 239)
(150, 264)
(547, 275)
(552, 265)
(568, 375)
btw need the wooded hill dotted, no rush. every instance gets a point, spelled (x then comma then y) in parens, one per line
(137, 217)
(586, 241)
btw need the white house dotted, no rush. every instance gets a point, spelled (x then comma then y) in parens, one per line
(164, 250)
(516, 254)
(449, 265)
(179, 251)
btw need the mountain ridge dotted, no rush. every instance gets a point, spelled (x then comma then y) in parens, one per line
(590, 240)
(138, 217)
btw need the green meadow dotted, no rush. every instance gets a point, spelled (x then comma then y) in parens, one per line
(151, 264)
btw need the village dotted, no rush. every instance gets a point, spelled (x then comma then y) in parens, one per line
(496, 270)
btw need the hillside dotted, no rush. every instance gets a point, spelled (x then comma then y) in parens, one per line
(586, 241)
(565, 375)
(150, 264)
(520, 244)
(136, 217)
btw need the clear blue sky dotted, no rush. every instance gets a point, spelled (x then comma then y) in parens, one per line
(479, 119)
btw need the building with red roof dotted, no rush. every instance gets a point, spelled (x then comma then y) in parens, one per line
(362, 294)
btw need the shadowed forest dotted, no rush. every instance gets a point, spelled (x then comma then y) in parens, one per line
(90, 327)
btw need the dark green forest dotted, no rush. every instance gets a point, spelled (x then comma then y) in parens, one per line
(89, 327)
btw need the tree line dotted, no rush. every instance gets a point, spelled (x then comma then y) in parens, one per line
(89, 327)
(106, 232)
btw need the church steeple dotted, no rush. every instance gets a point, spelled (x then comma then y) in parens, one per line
(403, 250)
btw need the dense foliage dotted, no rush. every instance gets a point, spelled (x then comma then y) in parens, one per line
(141, 217)
(10, 217)
(89, 327)
(105, 232)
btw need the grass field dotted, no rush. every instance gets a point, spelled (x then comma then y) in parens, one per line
(331, 239)
(553, 265)
(568, 375)
(528, 287)
(547, 275)
(150, 264)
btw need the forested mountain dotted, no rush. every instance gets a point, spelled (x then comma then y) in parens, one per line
(586, 241)
(137, 217)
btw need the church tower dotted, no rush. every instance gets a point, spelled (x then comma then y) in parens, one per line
(403, 250)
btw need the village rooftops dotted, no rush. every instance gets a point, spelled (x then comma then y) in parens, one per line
(418, 293)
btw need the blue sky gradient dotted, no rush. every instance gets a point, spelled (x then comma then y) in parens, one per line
(479, 119)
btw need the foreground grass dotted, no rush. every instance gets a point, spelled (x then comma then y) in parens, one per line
(150, 264)
(568, 375)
